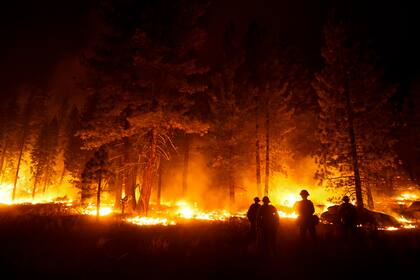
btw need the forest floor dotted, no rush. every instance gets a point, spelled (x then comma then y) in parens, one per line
(78, 247)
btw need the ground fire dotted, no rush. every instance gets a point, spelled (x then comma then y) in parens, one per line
(209, 139)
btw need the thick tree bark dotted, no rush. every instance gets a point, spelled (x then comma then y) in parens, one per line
(148, 175)
(353, 150)
(186, 163)
(267, 149)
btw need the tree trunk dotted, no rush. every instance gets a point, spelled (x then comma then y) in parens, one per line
(267, 149)
(98, 196)
(257, 148)
(231, 191)
(44, 189)
(3, 155)
(371, 204)
(130, 176)
(118, 191)
(34, 189)
(352, 136)
(186, 163)
(62, 175)
(129, 189)
(132, 188)
(21, 146)
(159, 186)
(148, 175)
(84, 193)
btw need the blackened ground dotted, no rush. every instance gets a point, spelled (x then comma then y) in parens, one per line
(77, 247)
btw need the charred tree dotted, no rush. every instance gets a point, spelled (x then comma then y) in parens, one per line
(354, 117)
(31, 114)
(185, 165)
(159, 185)
(257, 147)
(267, 148)
(148, 174)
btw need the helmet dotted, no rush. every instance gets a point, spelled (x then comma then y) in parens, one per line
(346, 198)
(256, 199)
(266, 199)
(304, 193)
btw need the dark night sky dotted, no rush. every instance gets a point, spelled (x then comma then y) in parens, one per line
(42, 40)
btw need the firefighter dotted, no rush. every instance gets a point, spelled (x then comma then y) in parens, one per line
(252, 217)
(306, 219)
(347, 215)
(267, 224)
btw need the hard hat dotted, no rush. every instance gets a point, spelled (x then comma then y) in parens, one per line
(256, 199)
(304, 193)
(266, 199)
(346, 198)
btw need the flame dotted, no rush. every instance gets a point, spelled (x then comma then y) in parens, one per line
(406, 198)
(186, 211)
(6, 193)
(287, 215)
(389, 228)
(90, 209)
(147, 221)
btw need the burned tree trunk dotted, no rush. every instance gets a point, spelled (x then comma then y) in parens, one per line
(353, 151)
(44, 189)
(231, 191)
(159, 186)
(3, 156)
(130, 176)
(129, 189)
(34, 189)
(371, 204)
(118, 191)
(257, 148)
(186, 163)
(267, 149)
(148, 174)
(63, 173)
(21, 146)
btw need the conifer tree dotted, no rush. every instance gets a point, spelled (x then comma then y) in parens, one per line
(354, 113)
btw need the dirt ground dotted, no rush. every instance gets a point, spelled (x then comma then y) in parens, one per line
(77, 247)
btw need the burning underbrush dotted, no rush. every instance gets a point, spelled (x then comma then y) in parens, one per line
(183, 212)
